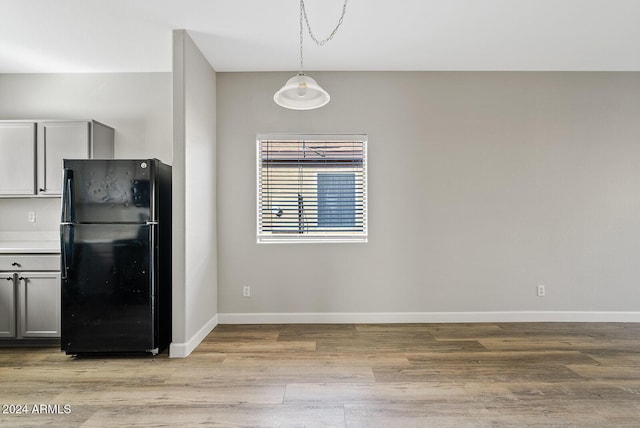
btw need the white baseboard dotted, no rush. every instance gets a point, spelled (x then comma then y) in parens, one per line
(427, 317)
(182, 350)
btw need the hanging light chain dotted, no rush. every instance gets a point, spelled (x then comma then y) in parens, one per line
(303, 14)
(335, 30)
(301, 34)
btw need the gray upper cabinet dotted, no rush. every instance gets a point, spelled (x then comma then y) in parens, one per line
(68, 140)
(17, 158)
(31, 153)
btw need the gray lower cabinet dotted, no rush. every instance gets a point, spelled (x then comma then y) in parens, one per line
(7, 305)
(29, 296)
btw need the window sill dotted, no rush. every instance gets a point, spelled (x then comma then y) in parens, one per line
(311, 239)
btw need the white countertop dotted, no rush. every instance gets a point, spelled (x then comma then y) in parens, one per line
(29, 242)
(13, 247)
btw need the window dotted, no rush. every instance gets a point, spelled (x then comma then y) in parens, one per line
(336, 199)
(312, 188)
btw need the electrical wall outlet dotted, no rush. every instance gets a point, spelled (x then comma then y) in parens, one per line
(246, 291)
(31, 216)
(541, 291)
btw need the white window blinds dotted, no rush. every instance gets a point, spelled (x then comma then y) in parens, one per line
(312, 188)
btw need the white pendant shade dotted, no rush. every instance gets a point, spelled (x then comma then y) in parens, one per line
(301, 92)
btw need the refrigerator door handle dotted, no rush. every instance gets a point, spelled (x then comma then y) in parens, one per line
(153, 280)
(63, 255)
(67, 198)
(65, 250)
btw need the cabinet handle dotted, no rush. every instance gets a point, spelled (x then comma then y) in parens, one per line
(41, 190)
(22, 278)
(16, 264)
(9, 279)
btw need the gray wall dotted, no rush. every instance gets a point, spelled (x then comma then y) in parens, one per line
(481, 186)
(195, 290)
(137, 105)
(13, 215)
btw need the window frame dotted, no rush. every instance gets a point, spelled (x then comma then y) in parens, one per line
(356, 237)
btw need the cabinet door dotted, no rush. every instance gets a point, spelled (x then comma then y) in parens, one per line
(58, 141)
(17, 158)
(7, 306)
(39, 303)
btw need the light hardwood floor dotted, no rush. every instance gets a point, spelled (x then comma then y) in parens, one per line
(390, 375)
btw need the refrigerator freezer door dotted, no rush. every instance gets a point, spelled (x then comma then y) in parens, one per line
(109, 191)
(108, 295)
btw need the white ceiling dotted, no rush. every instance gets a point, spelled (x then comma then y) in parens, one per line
(262, 35)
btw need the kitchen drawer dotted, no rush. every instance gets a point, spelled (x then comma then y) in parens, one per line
(24, 262)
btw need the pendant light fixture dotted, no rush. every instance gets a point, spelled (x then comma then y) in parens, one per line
(301, 92)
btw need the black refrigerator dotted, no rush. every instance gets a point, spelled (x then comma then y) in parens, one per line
(115, 238)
